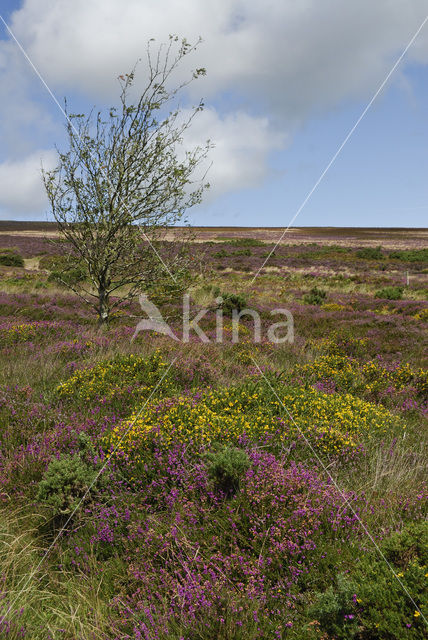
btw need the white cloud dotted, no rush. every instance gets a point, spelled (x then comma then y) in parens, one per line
(274, 62)
(24, 120)
(293, 56)
(21, 188)
(242, 144)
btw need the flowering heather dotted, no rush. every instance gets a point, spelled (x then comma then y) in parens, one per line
(221, 509)
(201, 563)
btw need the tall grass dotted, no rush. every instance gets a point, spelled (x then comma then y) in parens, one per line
(51, 602)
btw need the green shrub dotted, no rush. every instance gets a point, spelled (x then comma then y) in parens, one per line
(10, 258)
(167, 291)
(226, 465)
(371, 602)
(335, 610)
(126, 378)
(220, 254)
(68, 277)
(232, 302)
(324, 251)
(209, 290)
(65, 483)
(63, 269)
(370, 253)
(390, 293)
(50, 262)
(410, 255)
(245, 242)
(315, 296)
(68, 478)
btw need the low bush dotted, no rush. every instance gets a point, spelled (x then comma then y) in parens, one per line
(245, 242)
(68, 479)
(384, 595)
(220, 254)
(370, 253)
(127, 377)
(333, 423)
(315, 296)
(410, 255)
(65, 483)
(390, 293)
(232, 302)
(10, 258)
(226, 465)
(63, 269)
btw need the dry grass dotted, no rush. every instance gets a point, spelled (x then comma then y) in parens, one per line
(49, 599)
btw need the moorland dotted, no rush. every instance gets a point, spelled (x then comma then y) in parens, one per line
(168, 490)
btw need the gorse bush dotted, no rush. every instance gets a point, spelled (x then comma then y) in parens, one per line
(220, 254)
(232, 302)
(9, 258)
(69, 478)
(315, 296)
(129, 375)
(245, 242)
(371, 379)
(65, 483)
(226, 465)
(63, 271)
(370, 253)
(333, 423)
(27, 331)
(371, 602)
(411, 255)
(339, 345)
(390, 293)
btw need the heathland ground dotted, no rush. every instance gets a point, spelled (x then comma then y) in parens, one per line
(237, 490)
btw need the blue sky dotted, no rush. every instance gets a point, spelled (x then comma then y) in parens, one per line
(286, 81)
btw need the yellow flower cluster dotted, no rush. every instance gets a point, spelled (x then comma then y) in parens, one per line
(332, 345)
(109, 378)
(422, 315)
(330, 366)
(334, 306)
(18, 333)
(331, 422)
(378, 377)
(368, 377)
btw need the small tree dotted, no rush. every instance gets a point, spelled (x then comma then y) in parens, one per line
(124, 179)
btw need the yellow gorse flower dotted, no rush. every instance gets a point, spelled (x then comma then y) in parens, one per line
(109, 378)
(332, 422)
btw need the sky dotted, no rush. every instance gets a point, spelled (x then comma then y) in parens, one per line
(286, 82)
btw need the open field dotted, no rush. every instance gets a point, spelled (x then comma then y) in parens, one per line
(341, 236)
(239, 490)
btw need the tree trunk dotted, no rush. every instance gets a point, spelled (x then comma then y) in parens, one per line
(103, 307)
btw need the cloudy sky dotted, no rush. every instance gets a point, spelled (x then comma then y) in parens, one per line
(286, 82)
